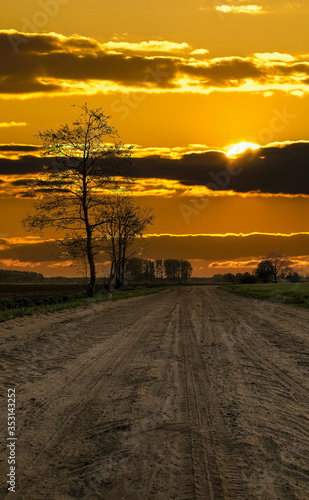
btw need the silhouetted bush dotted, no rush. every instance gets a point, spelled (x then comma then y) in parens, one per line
(52, 300)
(6, 304)
(23, 302)
(248, 278)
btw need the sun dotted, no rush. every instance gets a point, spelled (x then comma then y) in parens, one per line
(241, 147)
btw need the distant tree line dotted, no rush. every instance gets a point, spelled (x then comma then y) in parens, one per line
(177, 270)
(273, 267)
(247, 278)
(8, 276)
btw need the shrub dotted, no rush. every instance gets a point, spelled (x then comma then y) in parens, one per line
(6, 304)
(41, 302)
(52, 300)
(23, 302)
(248, 278)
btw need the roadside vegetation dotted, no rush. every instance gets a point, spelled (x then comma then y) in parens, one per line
(287, 293)
(23, 306)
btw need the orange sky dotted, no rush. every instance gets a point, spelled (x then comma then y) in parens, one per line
(180, 80)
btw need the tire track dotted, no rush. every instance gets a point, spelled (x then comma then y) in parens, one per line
(217, 469)
(181, 395)
(87, 375)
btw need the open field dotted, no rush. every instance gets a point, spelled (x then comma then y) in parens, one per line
(191, 393)
(288, 293)
(36, 291)
(46, 298)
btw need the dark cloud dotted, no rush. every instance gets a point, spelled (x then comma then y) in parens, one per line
(19, 148)
(36, 192)
(20, 182)
(29, 252)
(28, 43)
(38, 56)
(223, 72)
(204, 247)
(25, 165)
(32, 63)
(269, 170)
(293, 68)
(25, 182)
(24, 194)
(21, 85)
(224, 248)
(190, 169)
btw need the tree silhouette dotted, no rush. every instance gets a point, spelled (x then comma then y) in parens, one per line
(279, 262)
(265, 271)
(124, 224)
(83, 165)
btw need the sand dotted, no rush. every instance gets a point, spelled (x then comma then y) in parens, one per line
(190, 393)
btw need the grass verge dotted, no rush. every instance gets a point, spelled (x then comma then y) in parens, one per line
(287, 293)
(76, 301)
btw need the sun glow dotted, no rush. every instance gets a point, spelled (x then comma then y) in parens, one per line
(241, 147)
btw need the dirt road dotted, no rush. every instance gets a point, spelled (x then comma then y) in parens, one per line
(187, 394)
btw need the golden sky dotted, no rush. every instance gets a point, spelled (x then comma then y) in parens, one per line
(183, 81)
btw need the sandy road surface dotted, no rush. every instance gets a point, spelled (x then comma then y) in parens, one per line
(187, 394)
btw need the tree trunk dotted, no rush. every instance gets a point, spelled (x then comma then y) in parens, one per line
(90, 256)
(120, 278)
(119, 285)
(111, 277)
(92, 282)
(122, 273)
(109, 286)
(122, 267)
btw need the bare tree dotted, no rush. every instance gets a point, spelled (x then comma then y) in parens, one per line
(279, 261)
(125, 223)
(83, 166)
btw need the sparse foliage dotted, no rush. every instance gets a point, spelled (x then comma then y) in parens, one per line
(123, 227)
(83, 165)
(275, 263)
(279, 261)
